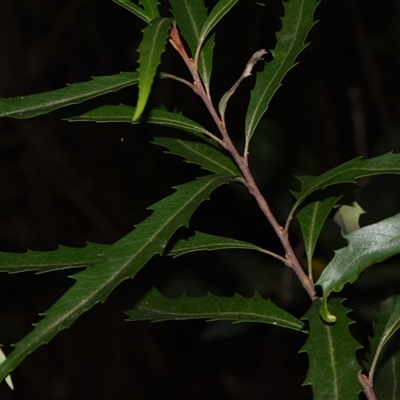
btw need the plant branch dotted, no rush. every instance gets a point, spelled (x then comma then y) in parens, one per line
(290, 258)
(367, 386)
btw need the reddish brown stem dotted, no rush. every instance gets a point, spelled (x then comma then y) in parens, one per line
(242, 162)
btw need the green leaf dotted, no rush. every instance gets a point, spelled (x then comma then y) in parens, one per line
(123, 260)
(45, 261)
(195, 147)
(190, 16)
(8, 377)
(367, 246)
(43, 103)
(348, 173)
(348, 217)
(386, 383)
(217, 13)
(382, 318)
(331, 349)
(296, 24)
(392, 325)
(312, 218)
(123, 113)
(203, 241)
(154, 306)
(135, 9)
(150, 50)
(150, 6)
(199, 150)
(205, 63)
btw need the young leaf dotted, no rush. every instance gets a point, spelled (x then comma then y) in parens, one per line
(150, 50)
(348, 217)
(155, 307)
(296, 24)
(43, 103)
(391, 327)
(123, 260)
(331, 349)
(347, 173)
(312, 218)
(203, 241)
(190, 16)
(205, 63)
(195, 147)
(145, 15)
(367, 246)
(45, 261)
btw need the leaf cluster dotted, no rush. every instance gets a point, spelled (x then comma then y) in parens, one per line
(189, 30)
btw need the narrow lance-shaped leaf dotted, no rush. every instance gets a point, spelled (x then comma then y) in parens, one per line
(203, 241)
(123, 113)
(194, 147)
(296, 24)
(312, 218)
(155, 307)
(367, 246)
(190, 16)
(199, 151)
(123, 260)
(331, 350)
(150, 50)
(216, 14)
(205, 63)
(347, 173)
(43, 103)
(150, 6)
(45, 261)
(135, 9)
(391, 327)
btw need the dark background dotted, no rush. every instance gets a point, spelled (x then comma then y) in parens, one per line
(68, 183)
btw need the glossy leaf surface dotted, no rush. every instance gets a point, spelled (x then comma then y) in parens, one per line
(367, 246)
(123, 260)
(155, 307)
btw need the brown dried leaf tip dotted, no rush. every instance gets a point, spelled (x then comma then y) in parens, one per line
(176, 42)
